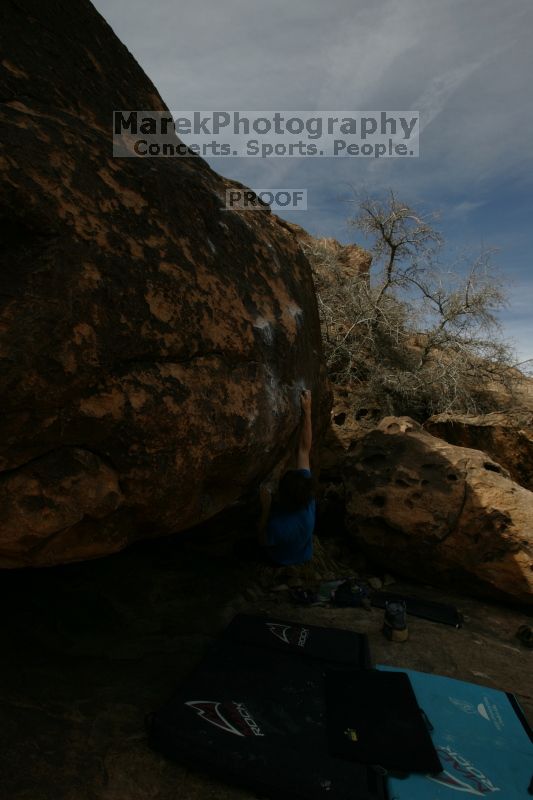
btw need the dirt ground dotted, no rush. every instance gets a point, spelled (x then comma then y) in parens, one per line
(89, 649)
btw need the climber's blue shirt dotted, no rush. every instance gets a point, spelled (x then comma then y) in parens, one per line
(290, 533)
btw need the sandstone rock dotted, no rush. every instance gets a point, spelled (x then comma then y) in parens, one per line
(438, 512)
(139, 321)
(349, 421)
(506, 436)
(352, 259)
(55, 492)
(348, 424)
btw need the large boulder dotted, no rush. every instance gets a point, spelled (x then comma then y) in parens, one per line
(506, 436)
(153, 345)
(438, 512)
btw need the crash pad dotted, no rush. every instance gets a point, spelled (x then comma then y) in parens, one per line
(481, 736)
(374, 717)
(256, 716)
(418, 607)
(313, 641)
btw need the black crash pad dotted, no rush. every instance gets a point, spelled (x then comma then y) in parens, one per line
(325, 644)
(374, 718)
(417, 607)
(257, 717)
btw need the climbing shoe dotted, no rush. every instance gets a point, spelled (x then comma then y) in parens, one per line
(395, 622)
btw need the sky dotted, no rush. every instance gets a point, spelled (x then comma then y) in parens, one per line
(465, 65)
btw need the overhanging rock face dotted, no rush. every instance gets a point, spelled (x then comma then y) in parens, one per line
(153, 346)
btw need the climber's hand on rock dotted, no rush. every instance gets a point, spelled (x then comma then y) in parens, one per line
(305, 400)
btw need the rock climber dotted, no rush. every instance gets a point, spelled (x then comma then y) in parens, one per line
(288, 519)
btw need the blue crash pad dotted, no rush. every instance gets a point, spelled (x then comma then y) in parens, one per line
(482, 739)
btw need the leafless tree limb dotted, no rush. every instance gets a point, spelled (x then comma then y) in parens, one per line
(417, 336)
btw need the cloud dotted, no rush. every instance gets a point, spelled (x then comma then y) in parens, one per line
(440, 89)
(464, 207)
(465, 66)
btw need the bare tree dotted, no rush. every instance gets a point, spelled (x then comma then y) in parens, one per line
(417, 335)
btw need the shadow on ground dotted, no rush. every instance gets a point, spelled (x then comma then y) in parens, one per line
(90, 648)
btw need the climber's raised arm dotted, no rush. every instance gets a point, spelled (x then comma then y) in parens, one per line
(306, 432)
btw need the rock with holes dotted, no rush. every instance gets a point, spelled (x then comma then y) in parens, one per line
(153, 345)
(505, 436)
(438, 512)
(349, 422)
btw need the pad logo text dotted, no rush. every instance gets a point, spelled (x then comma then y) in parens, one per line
(289, 634)
(229, 717)
(465, 777)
